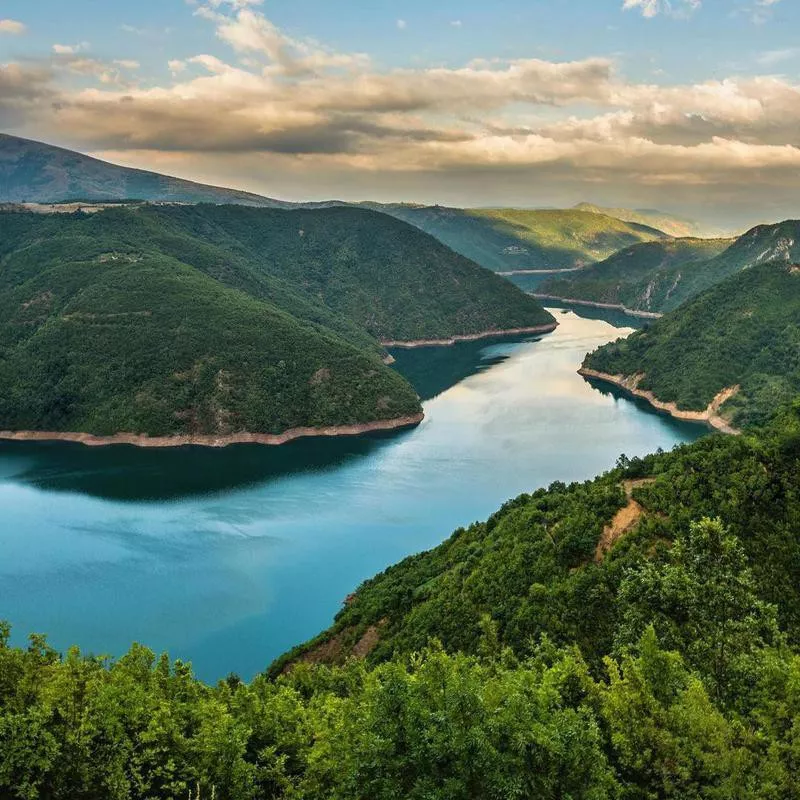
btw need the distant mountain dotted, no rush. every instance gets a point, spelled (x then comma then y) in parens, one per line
(669, 223)
(742, 335)
(36, 172)
(506, 240)
(660, 278)
(643, 277)
(216, 321)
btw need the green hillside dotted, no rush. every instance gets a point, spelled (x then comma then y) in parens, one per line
(743, 332)
(679, 227)
(641, 277)
(513, 239)
(173, 320)
(634, 636)
(392, 280)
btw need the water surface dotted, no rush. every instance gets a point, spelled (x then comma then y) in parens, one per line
(227, 558)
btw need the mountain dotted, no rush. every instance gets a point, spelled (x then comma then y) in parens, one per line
(643, 277)
(738, 342)
(216, 321)
(505, 240)
(41, 173)
(678, 227)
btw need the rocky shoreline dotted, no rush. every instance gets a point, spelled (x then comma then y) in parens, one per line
(208, 440)
(630, 384)
(471, 337)
(632, 312)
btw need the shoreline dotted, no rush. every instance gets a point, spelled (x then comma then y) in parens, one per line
(209, 440)
(630, 384)
(469, 337)
(631, 312)
(541, 271)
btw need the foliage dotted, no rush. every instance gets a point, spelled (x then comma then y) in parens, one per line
(742, 332)
(205, 319)
(656, 672)
(660, 277)
(642, 277)
(509, 239)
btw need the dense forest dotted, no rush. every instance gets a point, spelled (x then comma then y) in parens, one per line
(214, 320)
(641, 277)
(661, 276)
(744, 332)
(507, 239)
(634, 636)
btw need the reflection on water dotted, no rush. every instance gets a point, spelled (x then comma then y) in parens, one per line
(229, 557)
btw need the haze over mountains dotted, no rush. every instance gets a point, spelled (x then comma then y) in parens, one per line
(499, 239)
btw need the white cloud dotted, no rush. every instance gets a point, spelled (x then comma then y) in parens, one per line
(12, 26)
(652, 8)
(69, 49)
(456, 23)
(176, 66)
(402, 24)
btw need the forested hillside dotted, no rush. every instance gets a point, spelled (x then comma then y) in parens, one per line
(634, 636)
(661, 276)
(214, 320)
(642, 277)
(510, 239)
(743, 334)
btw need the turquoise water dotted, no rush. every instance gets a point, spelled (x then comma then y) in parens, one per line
(228, 558)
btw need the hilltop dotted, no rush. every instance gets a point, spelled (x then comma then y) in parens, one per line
(207, 321)
(737, 342)
(41, 173)
(506, 240)
(679, 227)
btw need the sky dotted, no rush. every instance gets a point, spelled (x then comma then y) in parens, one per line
(690, 106)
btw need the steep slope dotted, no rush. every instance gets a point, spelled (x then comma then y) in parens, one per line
(669, 223)
(37, 172)
(642, 277)
(505, 240)
(738, 343)
(224, 321)
(651, 285)
(95, 338)
(534, 567)
(394, 281)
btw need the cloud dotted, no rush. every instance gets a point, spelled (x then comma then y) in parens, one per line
(402, 24)
(456, 23)
(652, 8)
(329, 122)
(12, 26)
(69, 49)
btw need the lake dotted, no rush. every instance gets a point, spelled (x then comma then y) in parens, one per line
(227, 558)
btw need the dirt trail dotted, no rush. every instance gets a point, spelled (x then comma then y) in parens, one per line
(624, 520)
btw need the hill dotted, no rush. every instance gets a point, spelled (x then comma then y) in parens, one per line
(740, 338)
(642, 280)
(158, 320)
(642, 277)
(679, 227)
(633, 636)
(41, 173)
(505, 240)
(394, 281)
